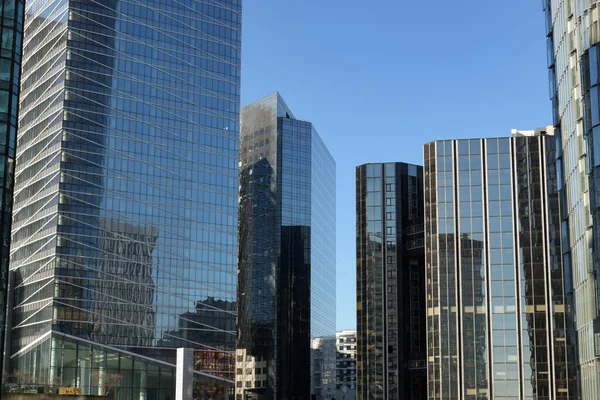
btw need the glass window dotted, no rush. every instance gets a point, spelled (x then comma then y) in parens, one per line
(504, 145)
(594, 106)
(463, 147)
(492, 146)
(593, 60)
(596, 143)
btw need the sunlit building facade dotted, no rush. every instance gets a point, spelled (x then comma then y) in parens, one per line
(390, 281)
(11, 23)
(286, 279)
(573, 48)
(496, 305)
(124, 236)
(345, 343)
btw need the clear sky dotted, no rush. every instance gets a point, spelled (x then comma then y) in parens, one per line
(380, 78)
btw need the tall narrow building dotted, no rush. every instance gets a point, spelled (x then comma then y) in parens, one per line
(11, 17)
(125, 218)
(346, 365)
(286, 276)
(390, 281)
(496, 305)
(573, 48)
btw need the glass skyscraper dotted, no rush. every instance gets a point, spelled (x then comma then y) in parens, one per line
(497, 323)
(11, 24)
(390, 276)
(573, 47)
(124, 236)
(286, 277)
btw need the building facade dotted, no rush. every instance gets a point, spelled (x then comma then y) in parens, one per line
(11, 21)
(345, 343)
(390, 275)
(286, 279)
(573, 40)
(496, 305)
(125, 217)
(323, 368)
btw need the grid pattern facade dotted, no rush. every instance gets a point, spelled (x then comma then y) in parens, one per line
(572, 39)
(496, 321)
(346, 365)
(125, 218)
(286, 280)
(390, 277)
(11, 25)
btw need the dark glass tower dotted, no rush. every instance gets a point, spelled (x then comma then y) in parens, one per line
(11, 21)
(496, 304)
(390, 280)
(286, 276)
(125, 219)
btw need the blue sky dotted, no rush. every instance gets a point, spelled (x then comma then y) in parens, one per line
(379, 79)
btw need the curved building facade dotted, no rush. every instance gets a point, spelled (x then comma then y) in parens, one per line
(497, 326)
(573, 35)
(125, 218)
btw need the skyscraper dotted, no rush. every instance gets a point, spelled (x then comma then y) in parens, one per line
(573, 48)
(496, 321)
(11, 18)
(390, 276)
(125, 217)
(286, 280)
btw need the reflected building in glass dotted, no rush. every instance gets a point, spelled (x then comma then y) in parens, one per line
(124, 236)
(11, 21)
(496, 304)
(390, 273)
(573, 50)
(286, 276)
(323, 367)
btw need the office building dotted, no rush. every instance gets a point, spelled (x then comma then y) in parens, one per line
(573, 41)
(322, 368)
(345, 344)
(11, 19)
(496, 320)
(286, 277)
(125, 215)
(390, 282)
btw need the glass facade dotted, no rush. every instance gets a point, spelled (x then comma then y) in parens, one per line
(125, 220)
(323, 367)
(390, 280)
(496, 304)
(572, 49)
(11, 25)
(286, 280)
